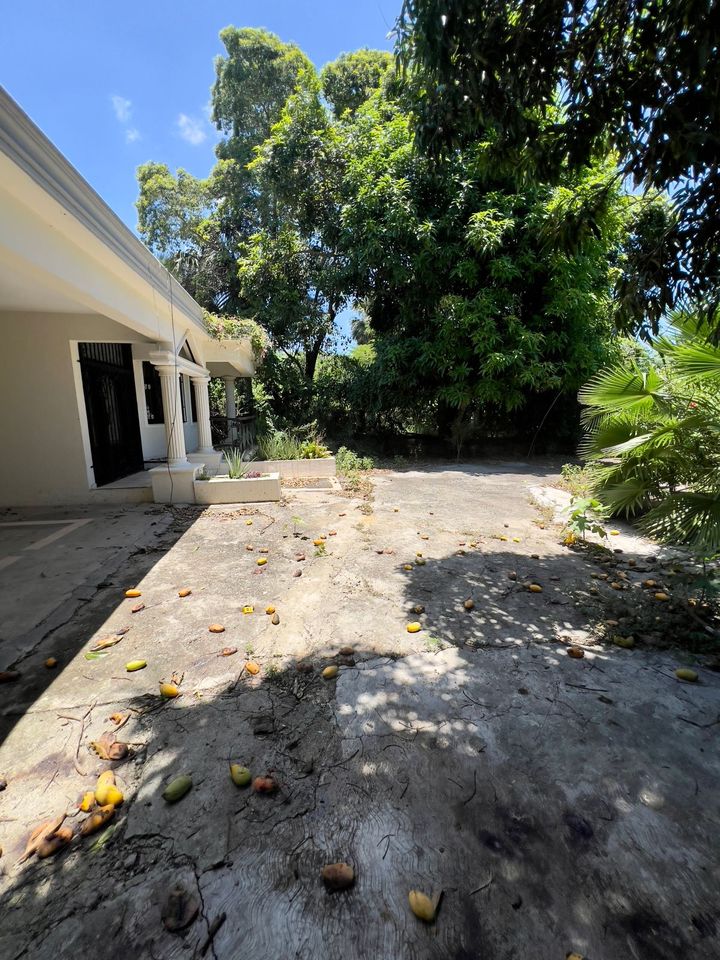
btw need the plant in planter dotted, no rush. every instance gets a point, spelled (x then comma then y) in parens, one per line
(237, 467)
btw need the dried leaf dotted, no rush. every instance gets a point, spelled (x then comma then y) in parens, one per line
(137, 608)
(108, 748)
(98, 818)
(228, 651)
(105, 643)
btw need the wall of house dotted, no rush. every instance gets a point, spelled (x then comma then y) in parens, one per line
(44, 452)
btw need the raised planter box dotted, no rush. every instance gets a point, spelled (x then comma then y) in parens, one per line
(225, 490)
(296, 469)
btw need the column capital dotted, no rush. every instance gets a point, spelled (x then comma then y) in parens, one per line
(200, 377)
(167, 369)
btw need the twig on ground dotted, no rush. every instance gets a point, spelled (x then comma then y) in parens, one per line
(483, 886)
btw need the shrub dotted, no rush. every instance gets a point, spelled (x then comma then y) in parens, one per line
(349, 462)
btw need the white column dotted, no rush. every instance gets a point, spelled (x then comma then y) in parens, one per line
(202, 408)
(172, 408)
(230, 409)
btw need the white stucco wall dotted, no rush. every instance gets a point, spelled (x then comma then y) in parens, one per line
(44, 457)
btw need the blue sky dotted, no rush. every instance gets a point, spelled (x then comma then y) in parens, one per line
(116, 84)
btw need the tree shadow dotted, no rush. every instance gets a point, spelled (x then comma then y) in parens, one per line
(534, 790)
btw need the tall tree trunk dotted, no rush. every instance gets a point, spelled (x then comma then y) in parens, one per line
(311, 357)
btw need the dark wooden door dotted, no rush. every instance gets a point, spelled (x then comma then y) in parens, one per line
(111, 405)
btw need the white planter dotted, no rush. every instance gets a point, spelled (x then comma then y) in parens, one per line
(296, 469)
(225, 490)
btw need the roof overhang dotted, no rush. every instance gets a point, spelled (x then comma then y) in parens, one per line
(67, 251)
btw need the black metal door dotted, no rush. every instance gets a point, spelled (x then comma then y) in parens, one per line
(111, 405)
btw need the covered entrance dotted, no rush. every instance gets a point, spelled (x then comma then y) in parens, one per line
(111, 406)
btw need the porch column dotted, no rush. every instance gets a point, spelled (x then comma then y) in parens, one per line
(172, 407)
(202, 408)
(230, 409)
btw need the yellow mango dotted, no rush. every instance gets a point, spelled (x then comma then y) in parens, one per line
(134, 665)
(414, 627)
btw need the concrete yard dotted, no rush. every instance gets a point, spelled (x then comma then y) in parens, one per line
(561, 805)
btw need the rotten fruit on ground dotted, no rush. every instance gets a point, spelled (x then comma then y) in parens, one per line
(185, 592)
(418, 608)
(108, 748)
(252, 667)
(407, 566)
(329, 673)
(134, 665)
(469, 604)
(276, 618)
(270, 610)
(338, 876)
(133, 593)
(180, 908)
(660, 595)
(169, 691)
(535, 588)
(423, 906)
(317, 543)
(627, 643)
(97, 819)
(227, 651)
(346, 651)
(684, 673)
(56, 841)
(87, 802)
(50, 663)
(240, 775)
(177, 788)
(266, 784)
(216, 628)
(414, 627)
(577, 652)
(261, 561)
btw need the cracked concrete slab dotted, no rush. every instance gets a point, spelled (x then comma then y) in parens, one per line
(561, 805)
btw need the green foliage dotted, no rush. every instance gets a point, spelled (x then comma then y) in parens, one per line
(237, 467)
(226, 327)
(640, 78)
(585, 516)
(252, 84)
(348, 462)
(280, 445)
(349, 81)
(576, 479)
(314, 450)
(653, 437)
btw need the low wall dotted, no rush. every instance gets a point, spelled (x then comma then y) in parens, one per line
(225, 490)
(295, 469)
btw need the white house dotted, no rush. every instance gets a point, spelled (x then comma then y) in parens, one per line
(104, 358)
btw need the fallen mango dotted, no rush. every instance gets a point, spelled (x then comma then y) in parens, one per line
(660, 595)
(185, 592)
(329, 673)
(133, 593)
(97, 819)
(338, 876)
(169, 691)
(576, 652)
(469, 604)
(535, 588)
(414, 627)
(252, 667)
(134, 665)
(50, 845)
(240, 775)
(50, 663)
(216, 628)
(177, 788)
(684, 673)
(261, 561)
(270, 610)
(275, 619)
(264, 785)
(87, 802)
(422, 905)
(248, 609)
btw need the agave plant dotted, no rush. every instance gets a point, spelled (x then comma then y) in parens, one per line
(653, 437)
(237, 466)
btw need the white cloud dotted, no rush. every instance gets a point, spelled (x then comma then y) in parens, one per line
(191, 129)
(122, 107)
(132, 135)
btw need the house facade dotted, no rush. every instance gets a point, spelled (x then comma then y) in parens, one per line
(104, 358)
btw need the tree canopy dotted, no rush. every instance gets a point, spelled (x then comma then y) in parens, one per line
(561, 83)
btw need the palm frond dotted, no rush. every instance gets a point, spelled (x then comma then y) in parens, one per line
(623, 389)
(689, 517)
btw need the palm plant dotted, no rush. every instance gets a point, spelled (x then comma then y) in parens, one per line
(653, 437)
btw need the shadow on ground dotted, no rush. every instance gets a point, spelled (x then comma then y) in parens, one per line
(561, 805)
